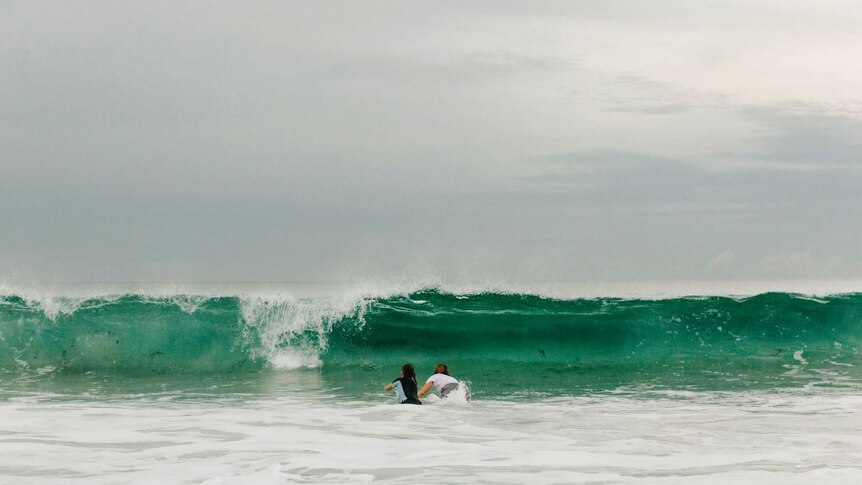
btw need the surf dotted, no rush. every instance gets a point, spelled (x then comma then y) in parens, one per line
(500, 339)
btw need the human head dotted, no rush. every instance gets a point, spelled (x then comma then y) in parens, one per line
(408, 371)
(441, 369)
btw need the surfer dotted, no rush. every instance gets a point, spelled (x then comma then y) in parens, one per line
(441, 381)
(405, 386)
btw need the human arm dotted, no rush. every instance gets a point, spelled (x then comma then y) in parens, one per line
(387, 387)
(425, 388)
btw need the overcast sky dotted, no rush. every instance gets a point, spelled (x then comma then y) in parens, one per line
(483, 141)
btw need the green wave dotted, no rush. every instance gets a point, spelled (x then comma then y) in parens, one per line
(515, 341)
(130, 334)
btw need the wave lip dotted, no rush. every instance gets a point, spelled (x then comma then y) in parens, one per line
(292, 333)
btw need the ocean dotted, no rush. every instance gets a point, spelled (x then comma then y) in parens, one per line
(280, 384)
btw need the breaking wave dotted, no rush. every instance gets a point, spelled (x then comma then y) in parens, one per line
(766, 339)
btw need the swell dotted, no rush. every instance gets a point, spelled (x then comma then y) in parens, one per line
(763, 338)
(128, 333)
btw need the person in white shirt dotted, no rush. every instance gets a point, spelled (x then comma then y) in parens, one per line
(441, 381)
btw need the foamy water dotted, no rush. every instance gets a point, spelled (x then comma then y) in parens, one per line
(283, 437)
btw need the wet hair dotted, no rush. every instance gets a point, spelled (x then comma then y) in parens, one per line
(441, 369)
(408, 371)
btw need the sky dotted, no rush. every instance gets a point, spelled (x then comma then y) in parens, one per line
(463, 141)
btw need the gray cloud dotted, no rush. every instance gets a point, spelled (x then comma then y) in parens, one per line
(551, 141)
(806, 136)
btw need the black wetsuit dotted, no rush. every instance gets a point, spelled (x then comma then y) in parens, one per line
(407, 391)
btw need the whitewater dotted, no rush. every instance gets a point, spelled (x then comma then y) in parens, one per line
(283, 384)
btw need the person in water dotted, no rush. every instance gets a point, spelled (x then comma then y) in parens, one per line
(441, 381)
(405, 386)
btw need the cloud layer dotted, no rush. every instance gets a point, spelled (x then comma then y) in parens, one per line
(550, 141)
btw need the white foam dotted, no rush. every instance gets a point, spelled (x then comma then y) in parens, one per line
(712, 438)
(294, 359)
(292, 333)
(459, 397)
(188, 303)
(799, 358)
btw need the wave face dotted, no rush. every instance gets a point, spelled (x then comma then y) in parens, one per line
(509, 341)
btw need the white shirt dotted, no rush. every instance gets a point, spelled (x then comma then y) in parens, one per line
(440, 380)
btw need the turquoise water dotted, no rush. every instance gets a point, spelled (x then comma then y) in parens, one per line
(505, 345)
(264, 387)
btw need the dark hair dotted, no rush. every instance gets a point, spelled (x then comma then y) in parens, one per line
(441, 369)
(408, 371)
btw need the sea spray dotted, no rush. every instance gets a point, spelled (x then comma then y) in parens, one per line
(291, 333)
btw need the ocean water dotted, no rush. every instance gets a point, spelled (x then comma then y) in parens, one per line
(267, 384)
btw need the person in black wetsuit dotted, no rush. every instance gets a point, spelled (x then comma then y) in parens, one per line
(405, 386)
